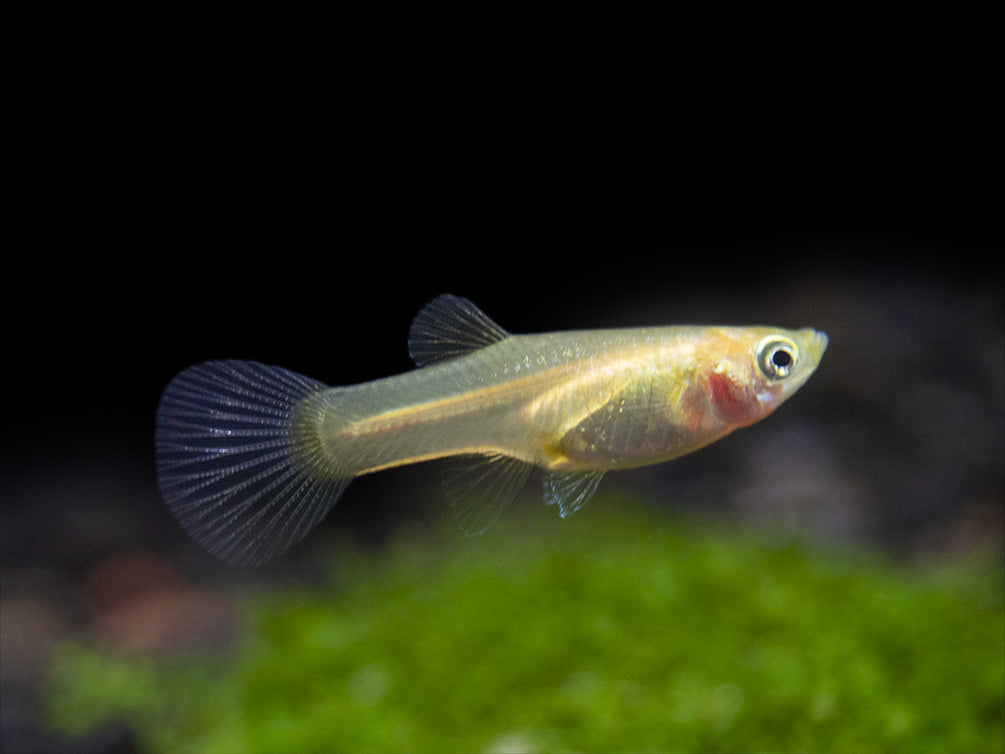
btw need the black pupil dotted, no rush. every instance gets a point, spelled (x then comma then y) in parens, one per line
(781, 358)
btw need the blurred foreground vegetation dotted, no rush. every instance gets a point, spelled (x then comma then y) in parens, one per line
(616, 630)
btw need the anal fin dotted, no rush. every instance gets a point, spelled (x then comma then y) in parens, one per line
(480, 488)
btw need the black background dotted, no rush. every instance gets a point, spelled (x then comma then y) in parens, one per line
(253, 206)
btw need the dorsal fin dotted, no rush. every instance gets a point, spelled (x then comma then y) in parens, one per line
(450, 326)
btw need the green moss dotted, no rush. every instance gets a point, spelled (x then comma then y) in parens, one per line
(615, 630)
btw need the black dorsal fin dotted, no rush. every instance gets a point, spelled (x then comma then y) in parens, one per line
(450, 326)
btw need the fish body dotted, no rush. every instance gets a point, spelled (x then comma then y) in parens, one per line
(251, 457)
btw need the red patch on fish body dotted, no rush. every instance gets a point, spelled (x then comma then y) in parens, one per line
(733, 402)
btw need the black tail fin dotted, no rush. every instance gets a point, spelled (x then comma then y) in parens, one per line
(234, 464)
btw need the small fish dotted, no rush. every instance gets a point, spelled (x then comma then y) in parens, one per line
(251, 457)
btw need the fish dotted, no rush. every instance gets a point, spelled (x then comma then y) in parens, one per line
(250, 457)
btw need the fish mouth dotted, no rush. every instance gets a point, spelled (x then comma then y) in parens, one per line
(817, 344)
(813, 343)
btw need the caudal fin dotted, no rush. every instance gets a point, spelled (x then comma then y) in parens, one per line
(234, 463)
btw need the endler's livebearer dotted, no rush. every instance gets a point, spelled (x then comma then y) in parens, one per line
(251, 457)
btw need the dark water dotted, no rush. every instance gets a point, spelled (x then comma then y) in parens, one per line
(147, 256)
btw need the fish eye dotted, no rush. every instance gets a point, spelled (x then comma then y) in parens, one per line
(776, 357)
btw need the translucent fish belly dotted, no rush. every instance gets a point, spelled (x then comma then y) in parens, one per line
(558, 402)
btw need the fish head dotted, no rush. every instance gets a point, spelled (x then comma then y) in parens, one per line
(758, 368)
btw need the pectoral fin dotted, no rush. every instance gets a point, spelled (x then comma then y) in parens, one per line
(572, 491)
